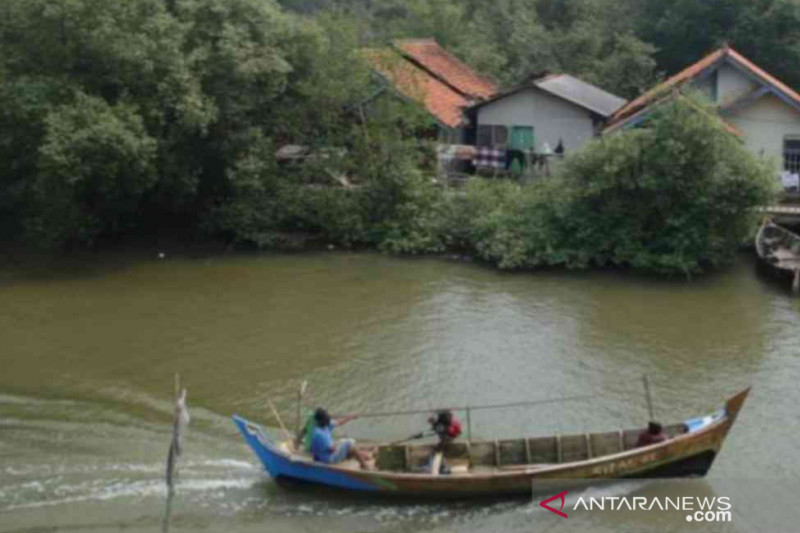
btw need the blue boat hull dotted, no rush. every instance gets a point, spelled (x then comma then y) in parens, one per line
(279, 466)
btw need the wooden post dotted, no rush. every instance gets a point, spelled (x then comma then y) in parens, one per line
(647, 397)
(469, 426)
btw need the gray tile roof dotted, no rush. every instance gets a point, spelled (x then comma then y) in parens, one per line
(581, 93)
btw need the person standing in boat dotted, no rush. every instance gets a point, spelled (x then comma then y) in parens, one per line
(446, 426)
(325, 450)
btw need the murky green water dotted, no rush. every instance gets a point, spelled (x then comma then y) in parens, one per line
(88, 351)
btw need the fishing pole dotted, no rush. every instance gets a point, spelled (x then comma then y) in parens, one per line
(474, 408)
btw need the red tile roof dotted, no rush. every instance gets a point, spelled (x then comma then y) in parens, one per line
(692, 72)
(441, 100)
(447, 68)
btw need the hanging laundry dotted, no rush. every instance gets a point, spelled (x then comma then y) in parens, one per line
(489, 158)
(790, 180)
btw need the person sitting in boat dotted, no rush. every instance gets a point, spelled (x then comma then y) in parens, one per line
(653, 435)
(446, 426)
(325, 450)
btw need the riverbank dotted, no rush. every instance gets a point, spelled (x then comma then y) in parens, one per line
(22, 264)
(620, 201)
(18, 261)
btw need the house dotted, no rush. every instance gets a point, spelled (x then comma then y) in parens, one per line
(421, 71)
(761, 109)
(546, 111)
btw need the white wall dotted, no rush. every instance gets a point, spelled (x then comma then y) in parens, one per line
(732, 84)
(552, 118)
(765, 124)
(725, 85)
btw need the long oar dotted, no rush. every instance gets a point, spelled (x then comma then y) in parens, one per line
(474, 407)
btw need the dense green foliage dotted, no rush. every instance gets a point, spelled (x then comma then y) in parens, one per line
(118, 116)
(145, 115)
(767, 31)
(514, 39)
(621, 45)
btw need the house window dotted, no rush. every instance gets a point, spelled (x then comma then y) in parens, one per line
(791, 154)
(492, 136)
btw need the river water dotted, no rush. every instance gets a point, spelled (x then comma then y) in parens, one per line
(89, 349)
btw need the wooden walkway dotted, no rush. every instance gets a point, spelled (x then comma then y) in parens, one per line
(778, 210)
(783, 213)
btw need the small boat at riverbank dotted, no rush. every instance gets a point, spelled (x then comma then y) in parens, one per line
(778, 251)
(499, 467)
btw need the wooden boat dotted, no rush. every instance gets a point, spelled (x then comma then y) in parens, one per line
(778, 252)
(497, 467)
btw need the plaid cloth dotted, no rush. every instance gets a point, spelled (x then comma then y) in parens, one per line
(489, 158)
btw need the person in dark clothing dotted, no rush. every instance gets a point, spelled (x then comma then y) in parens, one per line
(653, 435)
(446, 426)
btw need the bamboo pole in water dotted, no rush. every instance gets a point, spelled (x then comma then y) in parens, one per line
(180, 419)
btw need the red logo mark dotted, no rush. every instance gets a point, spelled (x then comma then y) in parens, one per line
(556, 497)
